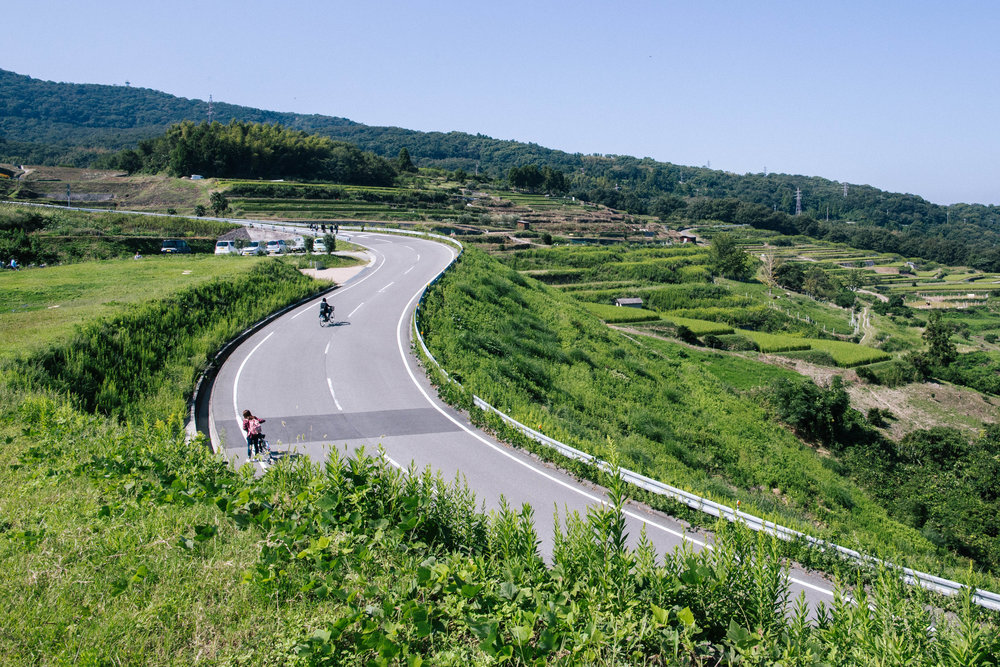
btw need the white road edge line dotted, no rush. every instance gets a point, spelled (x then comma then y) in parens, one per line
(329, 383)
(645, 520)
(556, 480)
(327, 350)
(806, 584)
(340, 290)
(236, 381)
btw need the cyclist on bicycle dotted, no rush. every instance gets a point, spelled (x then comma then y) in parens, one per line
(325, 310)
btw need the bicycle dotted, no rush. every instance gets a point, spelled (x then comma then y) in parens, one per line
(263, 448)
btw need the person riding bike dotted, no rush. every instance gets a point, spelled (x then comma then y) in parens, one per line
(325, 310)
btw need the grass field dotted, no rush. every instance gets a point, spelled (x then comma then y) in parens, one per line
(38, 306)
(700, 327)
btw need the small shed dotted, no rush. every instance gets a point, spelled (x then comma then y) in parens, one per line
(685, 238)
(523, 224)
(629, 302)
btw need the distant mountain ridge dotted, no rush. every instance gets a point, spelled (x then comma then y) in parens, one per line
(85, 120)
(42, 122)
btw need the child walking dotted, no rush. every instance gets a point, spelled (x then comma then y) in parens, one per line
(255, 438)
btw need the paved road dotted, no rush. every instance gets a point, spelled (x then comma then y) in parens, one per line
(356, 384)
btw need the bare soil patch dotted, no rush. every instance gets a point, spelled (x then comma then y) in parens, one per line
(915, 406)
(338, 275)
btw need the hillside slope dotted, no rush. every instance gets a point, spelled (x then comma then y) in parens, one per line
(43, 122)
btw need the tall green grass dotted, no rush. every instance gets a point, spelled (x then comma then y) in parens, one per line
(539, 356)
(620, 314)
(122, 544)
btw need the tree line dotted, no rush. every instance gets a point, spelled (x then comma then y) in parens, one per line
(57, 123)
(254, 151)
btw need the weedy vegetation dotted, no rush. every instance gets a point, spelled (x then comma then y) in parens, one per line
(124, 543)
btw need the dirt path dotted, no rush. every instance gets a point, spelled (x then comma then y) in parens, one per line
(866, 326)
(338, 275)
(880, 297)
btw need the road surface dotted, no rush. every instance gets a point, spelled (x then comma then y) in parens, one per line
(357, 384)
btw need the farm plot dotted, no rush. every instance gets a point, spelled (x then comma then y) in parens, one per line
(621, 315)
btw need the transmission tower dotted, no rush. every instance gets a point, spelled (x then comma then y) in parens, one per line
(798, 201)
(845, 189)
(210, 110)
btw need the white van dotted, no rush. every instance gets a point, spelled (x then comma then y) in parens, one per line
(226, 248)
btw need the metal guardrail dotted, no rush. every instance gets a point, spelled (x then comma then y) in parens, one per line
(981, 597)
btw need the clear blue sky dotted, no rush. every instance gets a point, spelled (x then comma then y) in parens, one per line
(904, 96)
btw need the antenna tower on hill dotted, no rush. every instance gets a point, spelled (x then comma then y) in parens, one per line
(210, 110)
(798, 201)
(845, 189)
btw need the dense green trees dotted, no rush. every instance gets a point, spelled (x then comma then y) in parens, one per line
(818, 414)
(253, 150)
(219, 203)
(728, 258)
(940, 350)
(531, 177)
(403, 161)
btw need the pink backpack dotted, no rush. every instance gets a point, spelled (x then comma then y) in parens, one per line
(254, 426)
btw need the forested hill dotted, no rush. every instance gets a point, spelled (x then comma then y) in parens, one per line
(42, 122)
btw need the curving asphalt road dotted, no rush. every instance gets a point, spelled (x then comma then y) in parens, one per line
(357, 384)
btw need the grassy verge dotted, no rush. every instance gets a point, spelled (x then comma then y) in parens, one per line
(123, 544)
(650, 406)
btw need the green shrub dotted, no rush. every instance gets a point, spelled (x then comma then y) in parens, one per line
(890, 373)
(821, 414)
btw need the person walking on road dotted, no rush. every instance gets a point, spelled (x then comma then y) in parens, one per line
(251, 426)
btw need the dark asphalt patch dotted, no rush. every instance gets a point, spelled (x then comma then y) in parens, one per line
(348, 426)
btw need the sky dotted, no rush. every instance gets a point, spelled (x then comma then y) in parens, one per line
(903, 96)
